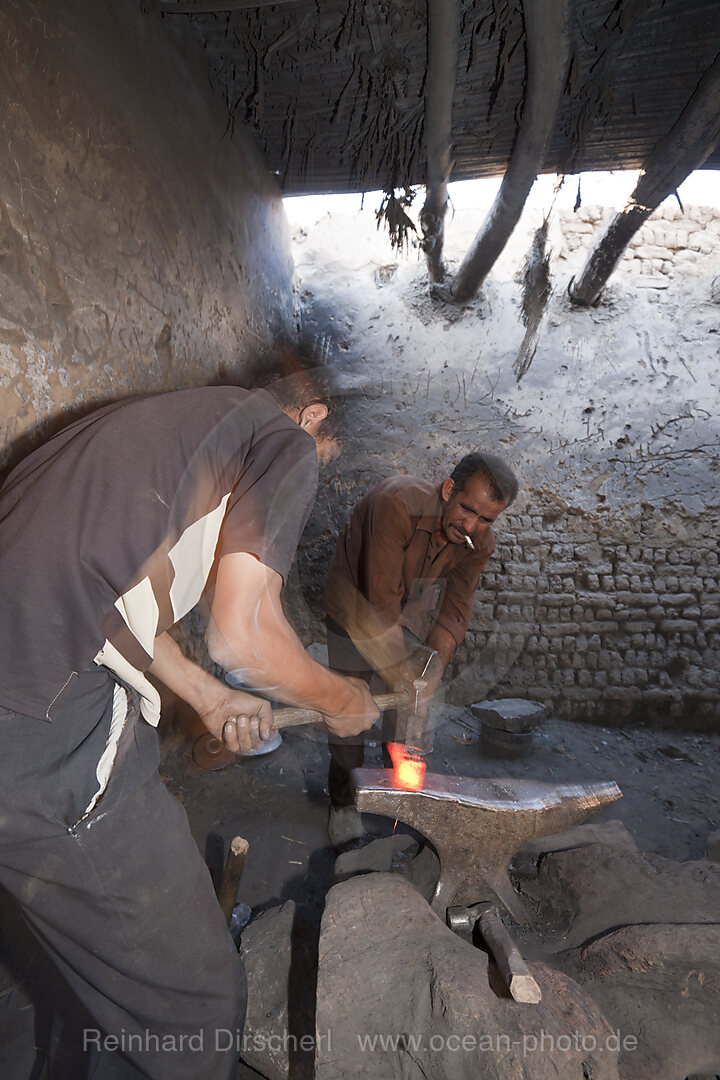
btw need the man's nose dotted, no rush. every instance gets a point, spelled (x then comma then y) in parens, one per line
(473, 524)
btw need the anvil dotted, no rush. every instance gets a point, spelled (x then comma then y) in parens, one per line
(477, 826)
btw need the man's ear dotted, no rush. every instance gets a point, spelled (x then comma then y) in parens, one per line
(312, 414)
(447, 489)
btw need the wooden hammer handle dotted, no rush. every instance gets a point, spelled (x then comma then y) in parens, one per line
(513, 969)
(291, 717)
(234, 864)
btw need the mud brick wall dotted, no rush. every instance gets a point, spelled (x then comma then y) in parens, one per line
(606, 617)
(671, 242)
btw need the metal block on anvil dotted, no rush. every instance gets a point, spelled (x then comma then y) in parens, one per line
(477, 826)
(509, 714)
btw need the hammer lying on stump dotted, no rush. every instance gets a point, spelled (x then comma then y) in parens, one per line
(514, 972)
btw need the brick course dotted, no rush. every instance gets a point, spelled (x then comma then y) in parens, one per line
(638, 641)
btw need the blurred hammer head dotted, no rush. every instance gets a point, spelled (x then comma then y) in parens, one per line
(416, 727)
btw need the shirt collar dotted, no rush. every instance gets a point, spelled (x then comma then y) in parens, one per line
(431, 512)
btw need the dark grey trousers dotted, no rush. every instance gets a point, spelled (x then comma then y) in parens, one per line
(147, 981)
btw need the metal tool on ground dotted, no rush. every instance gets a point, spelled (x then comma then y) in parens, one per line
(508, 725)
(483, 918)
(209, 753)
(234, 866)
(476, 826)
(237, 915)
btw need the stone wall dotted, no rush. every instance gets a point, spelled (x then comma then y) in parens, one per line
(671, 242)
(603, 597)
(607, 616)
(140, 248)
(603, 616)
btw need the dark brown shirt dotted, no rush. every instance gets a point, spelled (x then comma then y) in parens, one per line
(389, 553)
(108, 532)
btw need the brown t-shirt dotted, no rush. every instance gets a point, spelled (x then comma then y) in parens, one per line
(108, 532)
(388, 554)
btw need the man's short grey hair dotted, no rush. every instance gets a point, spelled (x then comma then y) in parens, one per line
(502, 483)
(293, 377)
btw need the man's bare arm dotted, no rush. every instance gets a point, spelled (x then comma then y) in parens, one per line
(444, 645)
(249, 632)
(241, 721)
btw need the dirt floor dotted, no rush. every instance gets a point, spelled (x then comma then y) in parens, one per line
(279, 803)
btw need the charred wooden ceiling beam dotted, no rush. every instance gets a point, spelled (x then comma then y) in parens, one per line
(546, 49)
(443, 44)
(687, 146)
(202, 7)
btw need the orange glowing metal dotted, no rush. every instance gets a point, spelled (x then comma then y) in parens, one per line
(408, 767)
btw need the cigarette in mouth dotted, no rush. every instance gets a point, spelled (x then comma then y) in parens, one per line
(469, 543)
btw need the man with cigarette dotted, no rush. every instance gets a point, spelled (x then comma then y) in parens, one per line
(108, 534)
(405, 568)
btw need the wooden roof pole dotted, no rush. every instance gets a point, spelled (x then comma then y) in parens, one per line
(546, 50)
(443, 43)
(687, 146)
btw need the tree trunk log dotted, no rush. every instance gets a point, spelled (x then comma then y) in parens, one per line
(546, 51)
(443, 41)
(687, 146)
